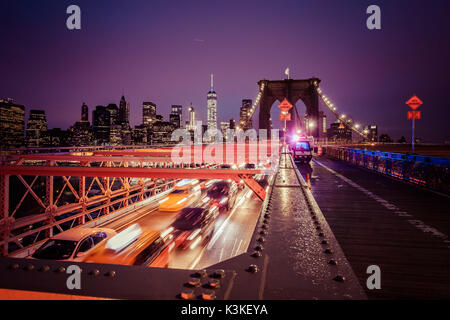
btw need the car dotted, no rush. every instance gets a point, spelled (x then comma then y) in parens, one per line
(301, 151)
(73, 244)
(222, 194)
(193, 225)
(135, 246)
(185, 193)
(228, 166)
(250, 166)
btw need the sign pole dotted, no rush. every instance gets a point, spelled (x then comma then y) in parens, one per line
(412, 141)
(414, 103)
(285, 106)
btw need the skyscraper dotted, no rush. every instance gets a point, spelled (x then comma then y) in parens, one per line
(245, 122)
(224, 127)
(12, 124)
(177, 114)
(139, 134)
(177, 109)
(101, 125)
(339, 133)
(57, 138)
(113, 114)
(232, 124)
(190, 125)
(84, 112)
(211, 107)
(81, 134)
(115, 135)
(175, 120)
(124, 113)
(371, 132)
(148, 113)
(36, 128)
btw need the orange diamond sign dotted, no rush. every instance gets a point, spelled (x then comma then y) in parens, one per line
(285, 105)
(414, 102)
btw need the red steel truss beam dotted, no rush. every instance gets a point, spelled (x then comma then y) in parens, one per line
(256, 187)
(129, 172)
(68, 157)
(237, 148)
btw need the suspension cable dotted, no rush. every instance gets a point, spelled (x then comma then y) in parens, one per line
(346, 121)
(255, 104)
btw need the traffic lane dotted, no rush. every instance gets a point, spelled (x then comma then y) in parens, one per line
(132, 214)
(234, 234)
(233, 229)
(157, 220)
(132, 217)
(189, 258)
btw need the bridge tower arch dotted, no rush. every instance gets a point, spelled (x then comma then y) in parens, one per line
(293, 90)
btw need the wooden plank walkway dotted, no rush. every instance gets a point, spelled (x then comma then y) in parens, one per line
(379, 221)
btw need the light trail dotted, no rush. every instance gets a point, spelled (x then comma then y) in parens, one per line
(223, 225)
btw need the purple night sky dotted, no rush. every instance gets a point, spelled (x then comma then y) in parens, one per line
(164, 51)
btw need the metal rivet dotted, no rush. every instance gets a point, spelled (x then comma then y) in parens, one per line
(219, 273)
(253, 268)
(332, 262)
(316, 222)
(339, 278)
(110, 274)
(264, 226)
(328, 251)
(194, 282)
(256, 254)
(267, 215)
(266, 221)
(61, 270)
(29, 267)
(318, 228)
(208, 295)
(259, 247)
(44, 268)
(324, 242)
(314, 217)
(263, 232)
(201, 273)
(187, 294)
(214, 283)
(261, 239)
(94, 272)
(14, 266)
(321, 234)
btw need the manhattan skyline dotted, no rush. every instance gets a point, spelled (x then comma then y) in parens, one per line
(165, 52)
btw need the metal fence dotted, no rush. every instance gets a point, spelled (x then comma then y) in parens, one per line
(430, 172)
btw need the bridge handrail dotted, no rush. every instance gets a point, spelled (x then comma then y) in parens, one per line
(430, 172)
(439, 161)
